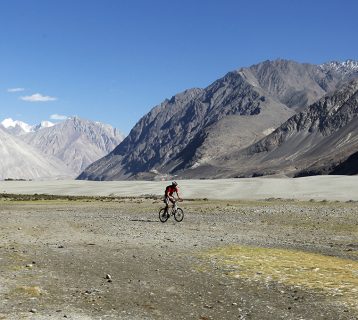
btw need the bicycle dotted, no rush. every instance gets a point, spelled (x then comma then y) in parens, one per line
(177, 212)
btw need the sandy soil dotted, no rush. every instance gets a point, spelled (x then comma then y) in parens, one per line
(226, 260)
(342, 188)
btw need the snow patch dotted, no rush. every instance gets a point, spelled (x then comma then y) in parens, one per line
(345, 67)
(10, 123)
(42, 125)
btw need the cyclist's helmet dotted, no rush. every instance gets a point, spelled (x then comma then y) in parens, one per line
(174, 183)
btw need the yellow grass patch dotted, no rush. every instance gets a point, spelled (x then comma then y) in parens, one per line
(331, 275)
(31, 291)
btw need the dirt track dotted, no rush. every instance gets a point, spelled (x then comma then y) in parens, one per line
(55, 255)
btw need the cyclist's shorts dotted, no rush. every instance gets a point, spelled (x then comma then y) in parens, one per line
(167, 201)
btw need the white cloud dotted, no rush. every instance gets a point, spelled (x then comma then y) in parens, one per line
(15, 89)
(58, 117)
(38, 97)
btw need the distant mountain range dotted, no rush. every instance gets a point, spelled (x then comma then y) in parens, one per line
(75, 141)
(276, 117)
(18, 128)
(21, 161)
(49, 150)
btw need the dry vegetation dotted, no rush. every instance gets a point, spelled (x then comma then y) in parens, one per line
(333, 276)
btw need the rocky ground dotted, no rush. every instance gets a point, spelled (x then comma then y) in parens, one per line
(114, 259)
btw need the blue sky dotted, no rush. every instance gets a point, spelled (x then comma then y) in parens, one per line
(113, 60)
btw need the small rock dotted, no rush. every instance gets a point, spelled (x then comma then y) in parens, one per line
(60, 246)
(33, 310)
(29, 265)
(108, 276)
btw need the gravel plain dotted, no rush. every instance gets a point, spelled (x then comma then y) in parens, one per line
(103, 258)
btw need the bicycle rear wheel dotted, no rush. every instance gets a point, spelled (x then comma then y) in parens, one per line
(179, 215)
(163, 215)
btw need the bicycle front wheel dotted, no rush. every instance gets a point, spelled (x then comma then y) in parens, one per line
(179, 215)
(163, 215)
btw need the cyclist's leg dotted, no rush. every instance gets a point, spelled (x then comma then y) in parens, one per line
(172, 200)
(166, 201)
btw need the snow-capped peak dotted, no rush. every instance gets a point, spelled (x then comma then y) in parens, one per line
(17, 127)
(10, 123)
(43, 124)
(47, 124)
(347, 66)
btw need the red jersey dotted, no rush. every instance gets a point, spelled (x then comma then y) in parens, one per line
(169, 190)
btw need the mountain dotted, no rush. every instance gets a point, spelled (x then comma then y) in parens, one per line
(346, 167)
(42, 125)
(322, 139)
(17, 128)
(193, 129)
(20, 161)
(298, 85)
(345, 68)
(169, 136)
(76, 142)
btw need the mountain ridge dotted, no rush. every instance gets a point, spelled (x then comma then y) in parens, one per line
(17, 127)
(77, 142)
(20, 161)
(316, 139)
(188, 129)
(68, 147)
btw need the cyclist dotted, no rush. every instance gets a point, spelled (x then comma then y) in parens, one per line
(168, 195)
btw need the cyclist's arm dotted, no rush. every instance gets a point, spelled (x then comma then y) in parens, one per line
(167, 193)
(177, 192)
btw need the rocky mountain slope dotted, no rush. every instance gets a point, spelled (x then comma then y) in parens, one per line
(345, 167)
(190, 131)
(298, 85)
(21, 161)
(321, 139)
(76, 142)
